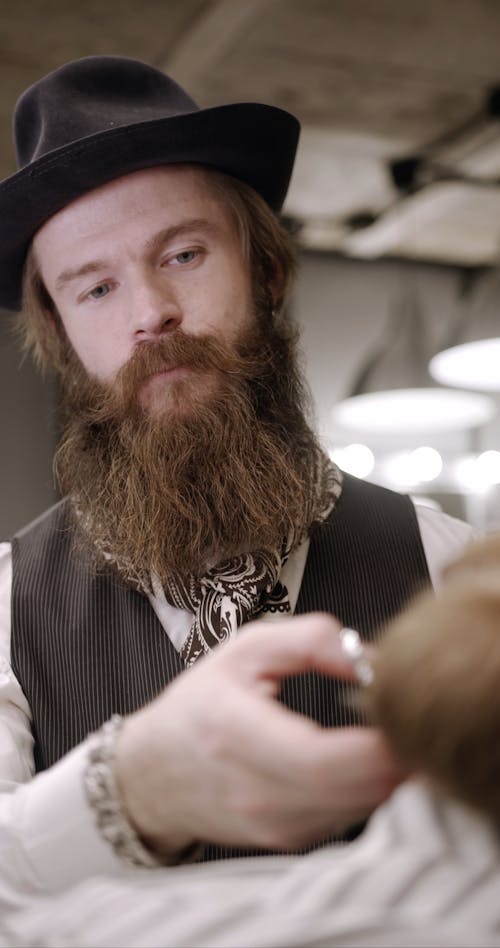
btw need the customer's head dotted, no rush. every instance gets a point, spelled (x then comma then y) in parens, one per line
(436, 691)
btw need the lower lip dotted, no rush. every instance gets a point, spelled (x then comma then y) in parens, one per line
(155, 386)
(164, 378)
(178, 371)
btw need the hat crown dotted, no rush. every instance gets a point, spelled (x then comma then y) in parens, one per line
(89, 96)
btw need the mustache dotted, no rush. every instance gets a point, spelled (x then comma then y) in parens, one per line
(204, 352)
(247, 364)
(241, 360)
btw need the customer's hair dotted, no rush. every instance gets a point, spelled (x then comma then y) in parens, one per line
(436, 692)
(266, 245)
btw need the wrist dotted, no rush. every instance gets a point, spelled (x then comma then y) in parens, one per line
(106, 793)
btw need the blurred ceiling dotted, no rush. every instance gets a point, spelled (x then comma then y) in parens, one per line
(399, 102)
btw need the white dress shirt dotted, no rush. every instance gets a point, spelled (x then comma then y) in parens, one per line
(48, 838)
(438, 889)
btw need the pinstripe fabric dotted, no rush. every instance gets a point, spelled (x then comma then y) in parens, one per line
(85, 646)
(365, 564)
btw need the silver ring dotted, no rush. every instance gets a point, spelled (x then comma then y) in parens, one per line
(353, 649)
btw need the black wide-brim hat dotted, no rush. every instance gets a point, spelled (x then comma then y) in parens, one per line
(101, 117)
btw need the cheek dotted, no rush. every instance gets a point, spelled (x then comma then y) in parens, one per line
(218, 307)
(233, 300)
(100, 354)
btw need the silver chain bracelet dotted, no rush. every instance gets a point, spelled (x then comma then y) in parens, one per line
(101, 790)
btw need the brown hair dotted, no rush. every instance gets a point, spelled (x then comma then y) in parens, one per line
(436, 692)
(266, 245)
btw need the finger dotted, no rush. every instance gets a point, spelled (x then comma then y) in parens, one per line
(272, 649)
(288, 737)
(282, 742)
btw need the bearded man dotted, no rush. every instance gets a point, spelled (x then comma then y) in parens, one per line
(141, 244)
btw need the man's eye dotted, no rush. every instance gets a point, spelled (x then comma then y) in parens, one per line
(99, 291)
(185, 256)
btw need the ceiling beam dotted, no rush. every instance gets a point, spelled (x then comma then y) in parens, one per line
(212, 32)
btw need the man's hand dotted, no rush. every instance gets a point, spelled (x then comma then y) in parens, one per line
(216, 758)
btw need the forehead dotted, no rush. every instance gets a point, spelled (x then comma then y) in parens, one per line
(136, 198)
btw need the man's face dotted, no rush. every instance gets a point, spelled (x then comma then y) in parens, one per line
(129, 263)
(185, 440)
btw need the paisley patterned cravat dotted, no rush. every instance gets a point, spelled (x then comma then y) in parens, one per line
(227, 597)
(246, 586)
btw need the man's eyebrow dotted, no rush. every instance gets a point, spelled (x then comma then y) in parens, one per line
(66, 276)
(179, 230)
(152, 244)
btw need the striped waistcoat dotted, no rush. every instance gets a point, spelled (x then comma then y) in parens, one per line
(85, 645)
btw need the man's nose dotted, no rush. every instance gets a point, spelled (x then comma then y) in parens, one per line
(155, 310)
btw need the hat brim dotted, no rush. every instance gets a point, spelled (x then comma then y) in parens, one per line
(252, 142)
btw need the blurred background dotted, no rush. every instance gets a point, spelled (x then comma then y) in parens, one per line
(395, 203)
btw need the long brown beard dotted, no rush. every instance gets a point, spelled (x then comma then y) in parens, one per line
(212, 476)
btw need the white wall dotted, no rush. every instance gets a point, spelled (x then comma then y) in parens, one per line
(343, 308)
(27, 424)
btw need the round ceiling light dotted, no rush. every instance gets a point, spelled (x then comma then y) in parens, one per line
(414, 409)
(471, 365)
